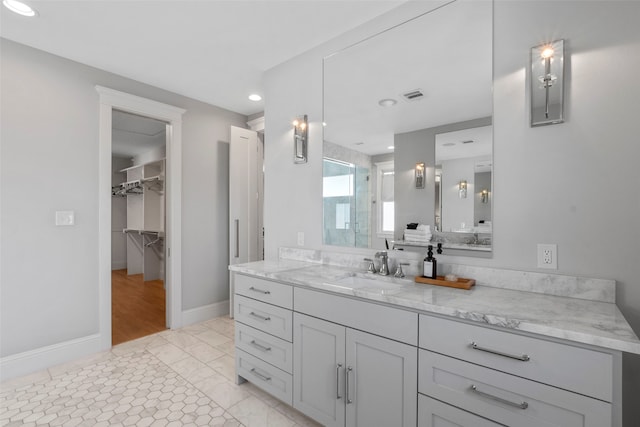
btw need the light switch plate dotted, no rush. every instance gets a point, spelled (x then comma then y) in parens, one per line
(65, 218)
(300, 238)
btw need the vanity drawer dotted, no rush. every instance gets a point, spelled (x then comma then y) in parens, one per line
(267, 377)
(265, 317)
(388, 322)
(433, 413)
(577, 369)
(505, 398)
(264, 290)
(272, 350)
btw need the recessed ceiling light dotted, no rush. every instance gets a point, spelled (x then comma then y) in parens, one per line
(19, 7)
(255, 97)
(387, 102)
(391, 147)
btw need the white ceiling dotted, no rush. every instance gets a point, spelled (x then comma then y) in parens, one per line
(211, 50)
(133, 135)
(446, 53)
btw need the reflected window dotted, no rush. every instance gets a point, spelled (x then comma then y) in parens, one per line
(384, 191)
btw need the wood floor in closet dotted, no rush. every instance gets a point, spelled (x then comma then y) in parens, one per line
(138, 307)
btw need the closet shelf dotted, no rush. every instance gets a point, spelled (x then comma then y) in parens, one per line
(142, 165)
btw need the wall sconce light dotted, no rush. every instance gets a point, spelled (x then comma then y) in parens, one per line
(462, 189)
(547, 84)
(420, 175)
(484, 196)
(300, 135)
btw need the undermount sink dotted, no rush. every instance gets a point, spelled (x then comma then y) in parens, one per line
(363, 283)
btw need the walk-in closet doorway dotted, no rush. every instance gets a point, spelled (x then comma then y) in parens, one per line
(152, 231)
(138, 155)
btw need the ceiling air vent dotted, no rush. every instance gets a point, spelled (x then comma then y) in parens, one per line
(413, 95)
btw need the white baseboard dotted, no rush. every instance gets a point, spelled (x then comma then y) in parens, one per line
(118, 265)
(44, 357)
(206, 312)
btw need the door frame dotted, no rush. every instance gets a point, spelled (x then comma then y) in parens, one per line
(112, 99)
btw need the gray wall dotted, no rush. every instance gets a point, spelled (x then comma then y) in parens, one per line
(552, 184)
(49, 161)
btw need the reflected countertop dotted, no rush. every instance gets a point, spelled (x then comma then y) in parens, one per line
(582, 321)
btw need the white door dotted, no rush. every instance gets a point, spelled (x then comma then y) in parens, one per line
(243, 196)
(383, 382)
(319, 370)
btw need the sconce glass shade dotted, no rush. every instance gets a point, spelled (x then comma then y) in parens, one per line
(484, 196)
(420, 180)
(300, 136)
(462, 189)
(547, 84)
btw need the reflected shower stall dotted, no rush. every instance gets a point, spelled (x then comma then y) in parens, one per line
(346, 204)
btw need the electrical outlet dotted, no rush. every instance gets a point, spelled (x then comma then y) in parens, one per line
(548, 256)
(300, 238)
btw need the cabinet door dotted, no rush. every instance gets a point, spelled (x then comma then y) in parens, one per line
(318, 369)
(382, 386)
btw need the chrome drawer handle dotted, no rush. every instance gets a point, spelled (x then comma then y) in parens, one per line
(259, 375)
(259, 346)
(338, 366)
(259, 317)
(259, 290)
(521, 405)
(349, 369)
(523, 358)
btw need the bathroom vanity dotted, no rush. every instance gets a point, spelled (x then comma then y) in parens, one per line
(351, 349)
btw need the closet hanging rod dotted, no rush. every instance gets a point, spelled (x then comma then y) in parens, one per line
(152, 178)
(159, 234)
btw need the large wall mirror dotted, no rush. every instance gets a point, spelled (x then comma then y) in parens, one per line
(418, 93)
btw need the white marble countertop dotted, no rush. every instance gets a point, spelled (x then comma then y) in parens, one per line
(582, 321)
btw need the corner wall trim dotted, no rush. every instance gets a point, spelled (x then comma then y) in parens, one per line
(44, 357)
(206, 312)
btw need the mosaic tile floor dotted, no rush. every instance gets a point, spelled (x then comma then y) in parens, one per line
(181, 377)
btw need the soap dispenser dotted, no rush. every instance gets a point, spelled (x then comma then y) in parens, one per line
(430, 269)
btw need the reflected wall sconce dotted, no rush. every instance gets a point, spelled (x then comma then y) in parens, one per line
(462, 189)
(300, 136)
(484, 196)
(547, 84)
(420, 181)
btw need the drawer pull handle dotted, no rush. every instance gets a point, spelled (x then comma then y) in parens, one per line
(259, 290)
(338, 366)
(260, 346)
(349, 369)
(259, 375)
(523, 358)
(260, 317)
(521, 405)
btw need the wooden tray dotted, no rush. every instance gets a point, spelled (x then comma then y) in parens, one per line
(462, 283)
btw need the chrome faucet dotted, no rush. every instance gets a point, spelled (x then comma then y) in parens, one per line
(399, 273)
(372, 266)
(384, 267)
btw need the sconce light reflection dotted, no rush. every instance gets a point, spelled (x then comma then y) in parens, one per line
(300, 136)
(420, 181)
(462, 189)
(484, 196)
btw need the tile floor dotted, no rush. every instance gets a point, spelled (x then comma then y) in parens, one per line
(182, 377)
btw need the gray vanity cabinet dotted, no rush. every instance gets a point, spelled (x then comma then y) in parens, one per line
(345, 377)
